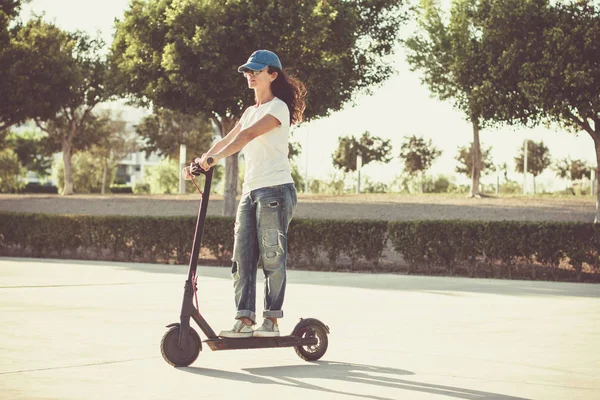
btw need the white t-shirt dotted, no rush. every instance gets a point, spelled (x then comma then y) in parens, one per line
(266, 156)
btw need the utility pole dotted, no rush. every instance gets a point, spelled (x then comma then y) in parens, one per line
(182, 162)
(497, 179)
(306, 163)
(358, 167)
(525, 146)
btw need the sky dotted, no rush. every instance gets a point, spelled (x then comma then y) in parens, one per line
(400, 107)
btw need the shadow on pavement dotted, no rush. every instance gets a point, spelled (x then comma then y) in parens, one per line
(355, 373)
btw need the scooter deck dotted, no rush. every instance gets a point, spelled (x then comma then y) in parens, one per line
(259, 342)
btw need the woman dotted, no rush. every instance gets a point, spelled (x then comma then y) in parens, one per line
(268, 197)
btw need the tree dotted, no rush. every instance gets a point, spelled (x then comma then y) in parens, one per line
(371, 148)
(465, 159)
(538, 159)
(548, 53)
(114, 142)
(165, 130)
(183, 55)
(71, 129)
(36, 76)
(418, 155)
(33, 155)
(573, 170)
(454, 63)
(10, 172)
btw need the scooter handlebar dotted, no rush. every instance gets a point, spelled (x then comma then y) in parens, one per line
(196, 170)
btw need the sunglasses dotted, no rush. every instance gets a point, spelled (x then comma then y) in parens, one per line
(252, 72)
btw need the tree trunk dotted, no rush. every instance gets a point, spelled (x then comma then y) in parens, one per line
(597, 143)
(533, 184)
(68, 169)
(104, 178)
(476, 172)
(231, 172)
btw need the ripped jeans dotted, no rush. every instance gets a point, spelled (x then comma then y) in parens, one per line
(261, 225)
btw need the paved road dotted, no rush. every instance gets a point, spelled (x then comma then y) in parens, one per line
(384, 207)
(91, 330)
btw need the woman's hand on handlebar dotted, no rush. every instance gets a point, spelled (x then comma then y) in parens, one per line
(206, 161)
(187, 173)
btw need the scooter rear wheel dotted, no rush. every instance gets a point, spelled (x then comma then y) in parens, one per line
(314, 352)
(169, 347)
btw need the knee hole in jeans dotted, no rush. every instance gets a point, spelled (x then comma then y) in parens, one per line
(272, 244)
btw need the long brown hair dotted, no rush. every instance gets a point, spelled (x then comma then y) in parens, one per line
(292, 91)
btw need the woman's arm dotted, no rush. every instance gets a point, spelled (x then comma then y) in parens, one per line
(226, 140)
(239, 140)
(187, 174)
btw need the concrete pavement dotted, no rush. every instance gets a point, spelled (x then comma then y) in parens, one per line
(91, 330)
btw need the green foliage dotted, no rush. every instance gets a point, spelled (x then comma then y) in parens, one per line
(450, 52)
(499, 246)
(298, 178)
(511, 187)
(368, 186)
(141, 188)
(496, 249)
(294, 150)
(370, 148)
(34, 187)
(73, 128)
(538, 158)
(465, 160)
(87, 175)
(113, 142)
(572, 170)
(547, 63)
(165, 130)
(183, 55)
(36, 60)
(333, 185)
(10, 172)
(164, 177)
(418, 154)
(440, 184)
(121, 189)
(29, 147)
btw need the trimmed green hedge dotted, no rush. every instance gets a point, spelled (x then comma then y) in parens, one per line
(508, 245)
(506, 249)
(169, 239)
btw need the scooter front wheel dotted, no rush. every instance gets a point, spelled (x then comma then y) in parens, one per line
(312, 352)
(169, 347)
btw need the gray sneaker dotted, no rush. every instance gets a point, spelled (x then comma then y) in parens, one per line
(267, 329)
(239, 330)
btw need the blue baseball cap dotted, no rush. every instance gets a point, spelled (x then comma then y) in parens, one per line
(260, 60)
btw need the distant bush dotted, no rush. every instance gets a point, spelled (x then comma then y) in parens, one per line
(439, 185)
(511, 187)
(141, 188)
(164, 177)
(34, 187)
(332, 186)
(374, 187)
(10, 172)
(121, 189)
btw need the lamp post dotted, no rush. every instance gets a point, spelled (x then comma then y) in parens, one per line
(306, 163)
(358, 167)
(182, 155)
(525, 145)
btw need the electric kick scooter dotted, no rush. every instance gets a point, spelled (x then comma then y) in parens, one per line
(181, 344)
